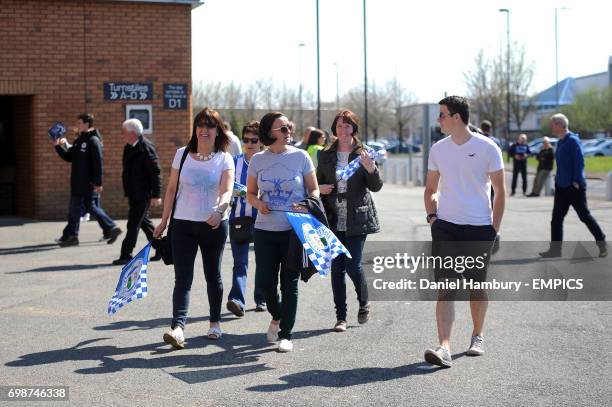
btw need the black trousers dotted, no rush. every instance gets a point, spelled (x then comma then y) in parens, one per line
(520, 166)
(575, 197)
(138, 218)
(186, 237)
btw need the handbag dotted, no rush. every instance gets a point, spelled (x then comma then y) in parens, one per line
(165, 243)
(241, 229)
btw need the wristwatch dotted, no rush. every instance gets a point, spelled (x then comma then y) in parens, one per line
(220, 211)
(431, 216)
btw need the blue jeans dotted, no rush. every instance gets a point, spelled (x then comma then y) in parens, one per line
(240, 253)
(186, 237)
(341, 266)
(90, 202)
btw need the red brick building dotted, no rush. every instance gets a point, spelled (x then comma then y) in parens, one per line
(64, 57)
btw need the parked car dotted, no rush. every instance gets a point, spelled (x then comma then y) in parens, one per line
(536, 145)
(395, 147)
(379, 148)
(600, 150)
(590, 143)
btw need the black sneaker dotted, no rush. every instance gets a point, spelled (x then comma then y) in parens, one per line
(61, 239)
(364, 314)
(261, 307)
(550, 254)
(157, 257)
(603, 248)
(70, 241)
(439, 357)
(114, 234)
(122, 261)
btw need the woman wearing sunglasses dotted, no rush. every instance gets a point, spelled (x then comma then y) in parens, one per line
(242, 216)
(350, 210)
(199, 218)
(278, 179)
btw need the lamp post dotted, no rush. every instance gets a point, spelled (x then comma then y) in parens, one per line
(301, 46)
(557, 58)
(507, 11)
(365, 74)
(318, 74)
(337, 86)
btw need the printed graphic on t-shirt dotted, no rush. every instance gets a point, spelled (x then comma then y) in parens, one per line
(280, 191)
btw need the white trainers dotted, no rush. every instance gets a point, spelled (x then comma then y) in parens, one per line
(476, 346)
(272, 334)
(285, 345)
(175, 338)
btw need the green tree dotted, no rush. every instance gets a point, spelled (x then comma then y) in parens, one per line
(591, 111)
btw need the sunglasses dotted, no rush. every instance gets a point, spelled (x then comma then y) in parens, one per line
(206, 125)
(283, 129)
(442, 115)
(247, 140)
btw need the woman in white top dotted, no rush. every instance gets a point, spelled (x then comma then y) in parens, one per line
(200, 218)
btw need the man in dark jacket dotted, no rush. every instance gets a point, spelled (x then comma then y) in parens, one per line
(85, 181)
(570, 188)
(141, 186)
(519, 153)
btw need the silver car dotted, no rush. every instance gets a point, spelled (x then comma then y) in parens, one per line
(600, 150)
(379, 148)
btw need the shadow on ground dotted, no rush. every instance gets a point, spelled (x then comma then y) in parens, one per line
(235, 351)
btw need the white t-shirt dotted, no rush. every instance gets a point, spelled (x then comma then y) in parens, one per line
(235, 146)
(464, 191)
(198, 193)
(280, 180)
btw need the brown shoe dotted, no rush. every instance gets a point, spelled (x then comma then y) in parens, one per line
(235, 309)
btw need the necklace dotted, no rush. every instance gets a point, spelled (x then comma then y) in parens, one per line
(205, 157)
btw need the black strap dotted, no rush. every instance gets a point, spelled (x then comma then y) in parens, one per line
(177, 184)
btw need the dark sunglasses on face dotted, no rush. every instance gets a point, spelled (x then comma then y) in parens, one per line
(283, 129)
(247, 140)
(443, 115)
(206, 125)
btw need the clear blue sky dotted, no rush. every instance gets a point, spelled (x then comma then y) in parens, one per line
(427, 45)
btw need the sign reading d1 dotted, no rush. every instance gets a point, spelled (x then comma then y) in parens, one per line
(175, 96)
(128, 91)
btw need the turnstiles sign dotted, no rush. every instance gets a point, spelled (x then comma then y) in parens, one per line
(175, 96)
(128, 91)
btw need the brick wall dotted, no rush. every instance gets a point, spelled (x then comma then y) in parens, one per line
(61, 52)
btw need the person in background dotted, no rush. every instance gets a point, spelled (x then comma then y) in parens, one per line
(200, 218)
(519, 152)
(546, 160)
(303, 144)
(86, 158)
(570, 188)
(242, 209)
(141, 185)
(316, 143)
(487, 128)
(234, 146)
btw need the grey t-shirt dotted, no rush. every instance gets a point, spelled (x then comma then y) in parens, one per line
(280, 179)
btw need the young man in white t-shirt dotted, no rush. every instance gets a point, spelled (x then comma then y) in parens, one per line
(461, 169)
